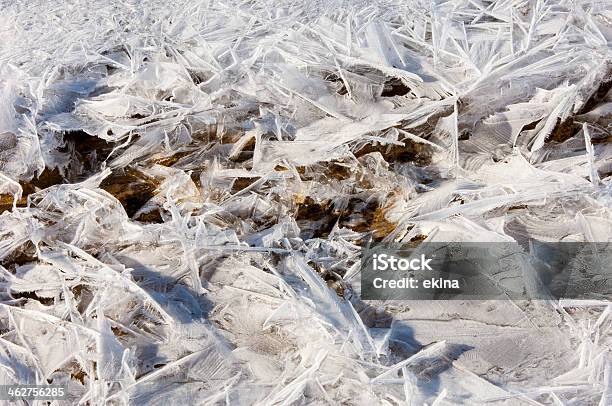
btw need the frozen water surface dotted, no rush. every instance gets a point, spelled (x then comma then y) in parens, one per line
(185, 187)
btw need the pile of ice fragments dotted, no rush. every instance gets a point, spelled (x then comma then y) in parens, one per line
(186, 185)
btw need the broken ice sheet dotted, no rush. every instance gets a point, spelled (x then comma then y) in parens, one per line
(185, 189)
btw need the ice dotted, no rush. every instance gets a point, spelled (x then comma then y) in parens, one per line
(185, 188)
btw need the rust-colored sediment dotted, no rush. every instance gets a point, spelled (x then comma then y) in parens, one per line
(131, 187)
